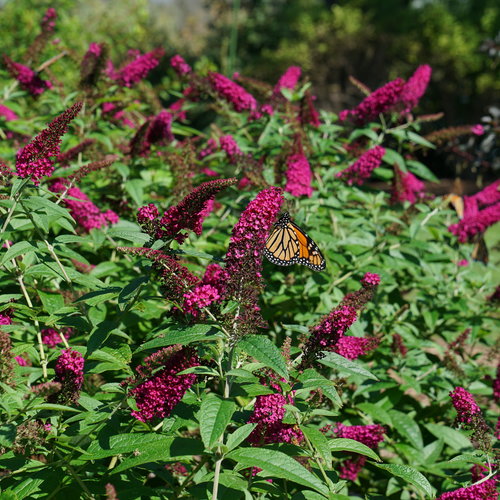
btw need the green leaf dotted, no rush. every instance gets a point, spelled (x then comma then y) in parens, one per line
(334, 360)
(7, 434)
(410, 475)
(393, 157)
(263, 350)
(407, 427)
(450, 436)
(134, 188)
(162, 450)
(51, 208)
(319, 442)
(376, 412)
(214, 416)
(20, 248)
(52, 302)
(54, 407)
(344, 444)
(239, 435)
(418, 139)
(183, 336)
(421, 170)
(312, 379)
(134, 236)
(278, 464)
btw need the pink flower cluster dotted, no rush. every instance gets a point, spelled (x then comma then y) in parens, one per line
(406, 187)
(157, 130)
(69, 373)
(288, 80)
(482, 491)
(48, 21)
(250, 233)
(392, 96)
(92, 64)
(27, 78)
(35, 159)
(117, 115)
(52, 337)
(7, 114)
(380, 101)
(233, 93)
(188, 214)
(138, 69)
(209, 149)
(354, 347)
(363, 167)
(415, 87)
(298, 174)
(268, 414)
(200, 297)
(329, 333)
(86, 214)
(180, 66)
(465, 405)
(496, 386)
(477, 129)
(471, 225)
(369, 435)
(159, 388)
(231, 148)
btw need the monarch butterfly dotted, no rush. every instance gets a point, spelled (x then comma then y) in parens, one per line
(288, 244)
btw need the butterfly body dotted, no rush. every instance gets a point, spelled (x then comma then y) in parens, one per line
(288, 244)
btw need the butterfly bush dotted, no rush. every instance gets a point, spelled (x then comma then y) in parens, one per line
(471, 225)
(93, 64)
(87, 215)
(188, 214)
(484, 491)
(243, 260)
(157, 387)
(27, 78)
(378, 102)
(52, 337)
(180, 66)
(369, 435)
(35, 160)
(157, 130)
(288, 80)
(7, 114)
(69, 373)
(233, 93)
(298, 172)
(406, 187)
(329, 333)
(136, 70)
(415, 87)
(362, 168)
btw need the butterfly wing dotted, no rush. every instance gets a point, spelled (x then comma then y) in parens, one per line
(288, 244)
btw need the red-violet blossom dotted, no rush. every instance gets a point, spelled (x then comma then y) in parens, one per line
(240, 99)
(288, 80)
(463, 263)
(244, 255)
(496, 385)
(27, 78)
(198, 298)
(209, 149)
(21, 361)
(93, 64)
(52, 337)
(477, 129)
(382, 100)
(465, 405)
(326, 334)
(180, 66)
(176, 280)
(363, 167)
(216, 277)
(35, 159)
(308, 112)
(354, 347)
(157, 130)
(487, 196)
(159, 388)
(406, 187)
(415, 87)
(117, 115)
(469, 226)
(135, 71)
(48, 20)
(7, 114)
(230, 147)
(87, 215)
(483, 491)
(69, 373)
(298, 173)
(369, 435)
(188, 214)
